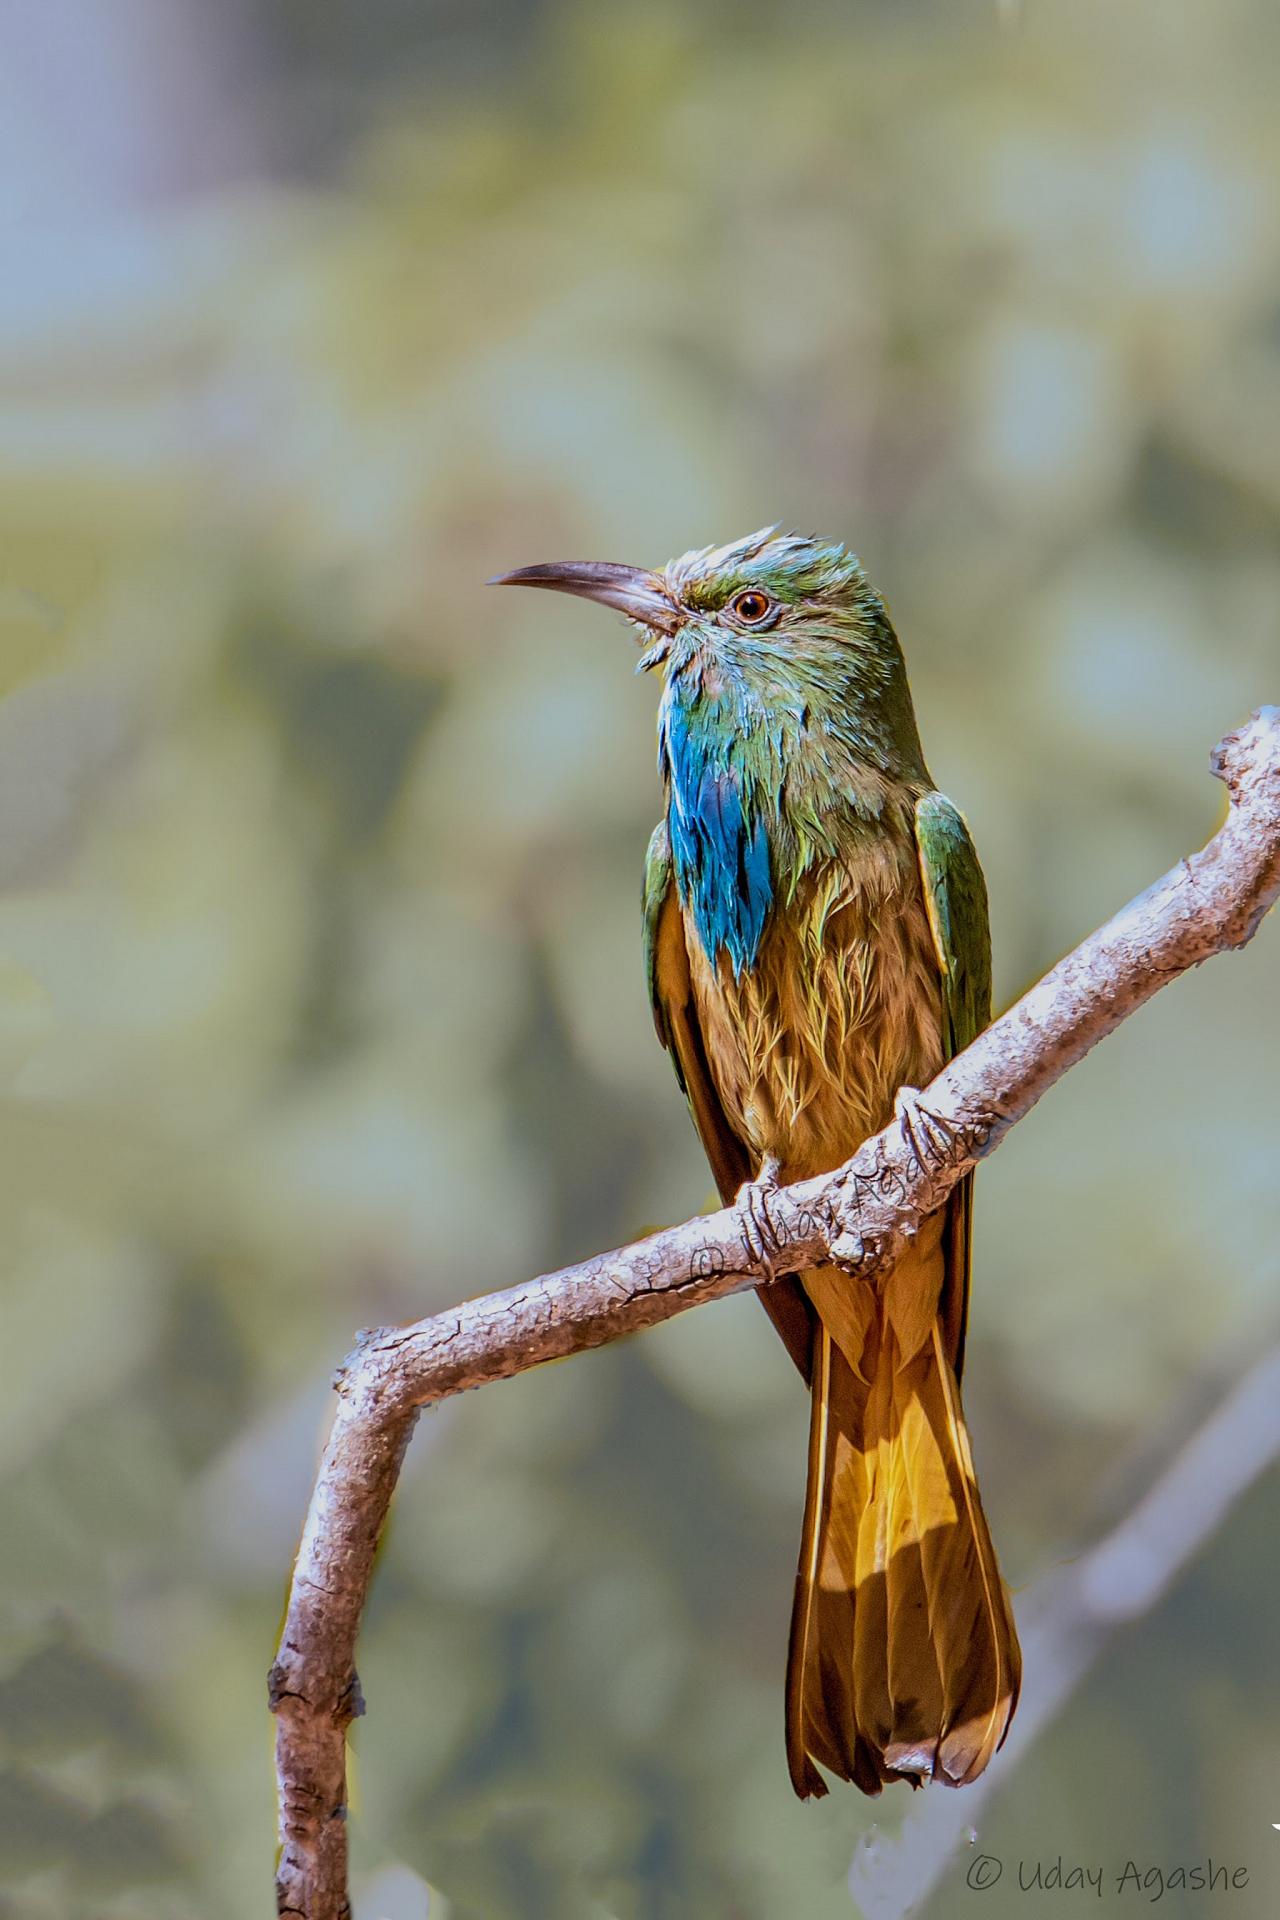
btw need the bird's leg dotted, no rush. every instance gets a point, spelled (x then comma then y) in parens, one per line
(758, 1230)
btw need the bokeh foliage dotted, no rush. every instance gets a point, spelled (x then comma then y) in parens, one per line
(320, 988)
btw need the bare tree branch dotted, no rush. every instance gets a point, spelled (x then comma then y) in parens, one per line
(1069, 1619)
(861, 1215)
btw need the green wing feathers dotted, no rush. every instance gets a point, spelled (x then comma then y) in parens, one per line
(657, 884)
(956, 899)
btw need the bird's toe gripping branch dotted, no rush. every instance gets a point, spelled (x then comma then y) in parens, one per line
(934, 1142)
(898, 1179)
(761, 1234)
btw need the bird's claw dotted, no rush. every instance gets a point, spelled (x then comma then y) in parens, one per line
(917, 1123)
(932, 1139)
(759, 1233)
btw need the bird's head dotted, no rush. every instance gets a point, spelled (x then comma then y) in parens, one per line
(757, 610)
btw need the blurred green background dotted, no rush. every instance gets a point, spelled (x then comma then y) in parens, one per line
(321, 1000)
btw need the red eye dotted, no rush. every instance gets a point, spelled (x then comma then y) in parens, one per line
(751, 607)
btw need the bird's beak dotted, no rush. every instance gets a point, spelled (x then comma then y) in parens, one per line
(641, 596)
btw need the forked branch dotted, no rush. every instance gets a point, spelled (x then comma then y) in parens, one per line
(860, 1216)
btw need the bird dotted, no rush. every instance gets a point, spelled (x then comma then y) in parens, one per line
(817, 946)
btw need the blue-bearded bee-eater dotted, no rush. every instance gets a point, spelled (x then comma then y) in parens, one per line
(816, 939)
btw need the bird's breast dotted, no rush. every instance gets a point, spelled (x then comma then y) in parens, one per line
(841, 1006)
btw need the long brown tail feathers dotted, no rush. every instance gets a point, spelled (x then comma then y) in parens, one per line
(904, 1661)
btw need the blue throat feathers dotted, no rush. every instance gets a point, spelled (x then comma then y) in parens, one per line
(719, 844)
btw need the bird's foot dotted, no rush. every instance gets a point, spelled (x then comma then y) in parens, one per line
(932, 1140)
(759, 1233)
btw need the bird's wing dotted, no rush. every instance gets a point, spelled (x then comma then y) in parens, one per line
(675, 1015)
(956, 898)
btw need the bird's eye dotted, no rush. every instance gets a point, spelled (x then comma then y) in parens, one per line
(751, 607)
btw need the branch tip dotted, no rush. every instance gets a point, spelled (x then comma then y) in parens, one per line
(1247, 751)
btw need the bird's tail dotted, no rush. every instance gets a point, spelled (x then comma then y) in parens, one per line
(904, 1660)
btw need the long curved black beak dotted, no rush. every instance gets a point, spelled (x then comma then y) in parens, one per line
(641, 596)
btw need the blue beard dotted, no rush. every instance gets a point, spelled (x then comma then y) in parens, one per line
(719, 844)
